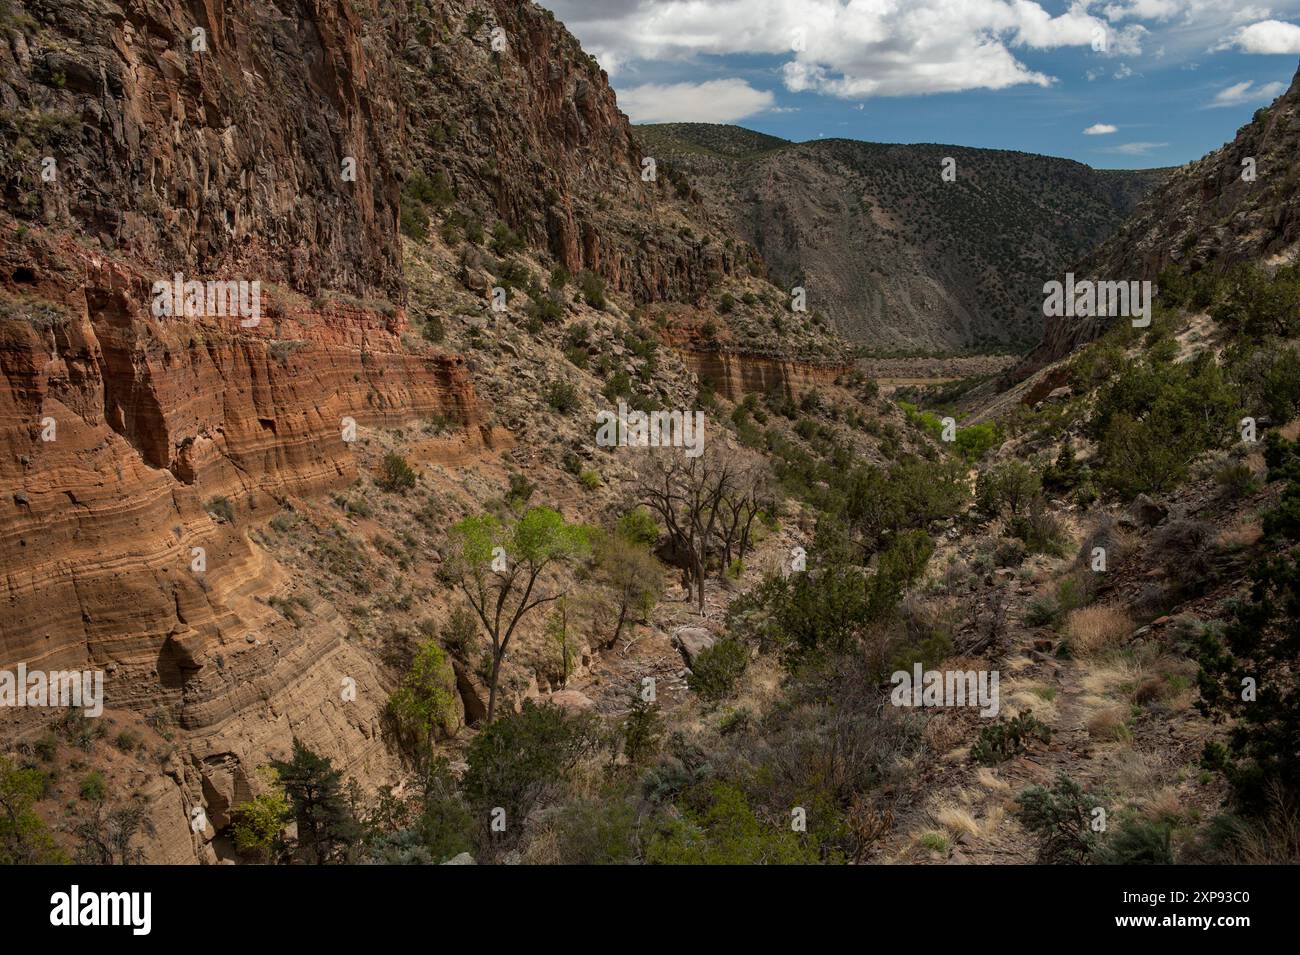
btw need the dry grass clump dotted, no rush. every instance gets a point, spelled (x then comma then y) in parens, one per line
(957, 820)
(1110, 725)
(944, 732)
(1239, 536)
(1091, 630)
(990, 780)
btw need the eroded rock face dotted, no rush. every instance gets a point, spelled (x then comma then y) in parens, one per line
(272, 146)
(152, 421)
(220, 152)
(734, 375)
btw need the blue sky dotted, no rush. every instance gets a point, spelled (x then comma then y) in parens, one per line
(1112, 83)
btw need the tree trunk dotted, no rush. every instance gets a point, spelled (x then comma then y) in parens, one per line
(492, 689)
(699, 584)
(618, 627)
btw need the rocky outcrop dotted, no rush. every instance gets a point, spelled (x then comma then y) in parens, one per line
(211, 137)
(692, 641)
(149, 419)
(119, 433)
(734, 374)
(524, 126)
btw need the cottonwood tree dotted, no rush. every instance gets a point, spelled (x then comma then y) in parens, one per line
(258, 825)
(425, 704)
(687, 494)
(632, 574)
(24, 837)
(500, 566)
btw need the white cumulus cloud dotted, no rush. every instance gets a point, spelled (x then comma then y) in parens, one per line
(851, 48)
(1100, 129)
(714, 101)
(1267, 36)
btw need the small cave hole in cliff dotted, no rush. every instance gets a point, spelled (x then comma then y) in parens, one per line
(24, 275)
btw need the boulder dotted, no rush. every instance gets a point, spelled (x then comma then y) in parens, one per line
(1148, 512)
(692, 641)
(572, 700)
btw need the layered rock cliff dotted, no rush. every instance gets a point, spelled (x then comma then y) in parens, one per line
(141, 454)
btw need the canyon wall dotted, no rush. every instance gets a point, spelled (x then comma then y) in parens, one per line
(734, 375)
(281, 143)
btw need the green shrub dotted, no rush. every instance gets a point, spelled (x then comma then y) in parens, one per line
(593, 289)
(718, 827)
(505, 241)
(395, 474)
(46, 746)
(597, 832)
(975, 441)
(93, 786)
(220, 508)
(716, 670)
(419, 195)
(1138, 842)
(1259, 305)
(561, 396)
(1153, 418)
(1041, 531)
(618, 386)
(518, 758)
(1008, 487)
(434, 330)
(1061, 817)
(641, 729)
(1235, 478)
(638, 526)
(1260, 756)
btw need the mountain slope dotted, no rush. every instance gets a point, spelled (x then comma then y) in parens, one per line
(894, 255)
(1205, 215)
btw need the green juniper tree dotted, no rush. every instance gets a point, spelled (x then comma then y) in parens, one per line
(326, 826)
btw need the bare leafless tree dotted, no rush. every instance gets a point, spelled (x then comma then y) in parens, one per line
(704, 503)
(749, 496)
